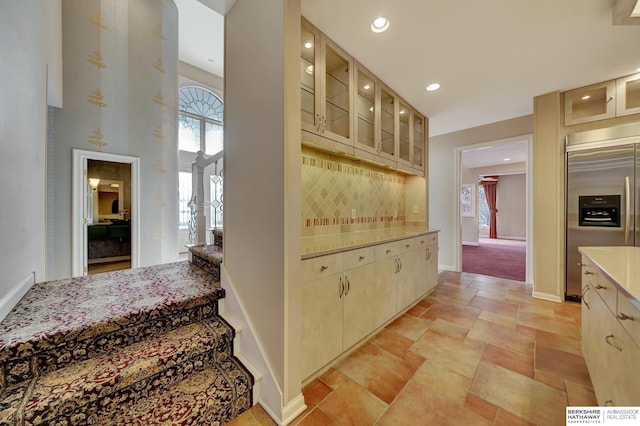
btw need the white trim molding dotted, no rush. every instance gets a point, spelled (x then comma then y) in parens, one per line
(79, 162)
(547, 297)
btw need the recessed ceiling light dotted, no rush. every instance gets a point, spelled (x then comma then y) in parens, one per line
(379, 25)
(309, 69)
(585, 97)
(366, 87)
(638, 69)
(308, 44)
(402, 111)
(507, 159)
(371, 109)
(433, 86)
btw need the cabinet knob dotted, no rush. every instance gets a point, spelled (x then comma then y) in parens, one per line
(361, 258)
(600, 287)
(622, 316)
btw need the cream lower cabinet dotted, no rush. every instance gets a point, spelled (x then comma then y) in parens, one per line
(427, 247)
(337, 305)
(611, 354)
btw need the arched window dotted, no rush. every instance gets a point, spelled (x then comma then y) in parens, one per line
(200, 120)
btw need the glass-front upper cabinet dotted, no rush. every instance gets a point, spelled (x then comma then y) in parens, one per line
(309, 52)
(404, 133)
(325, 86)
(337, 92)
(387, 123)
(365, 106)
(590, 103)
(628, 95)
(418, 141)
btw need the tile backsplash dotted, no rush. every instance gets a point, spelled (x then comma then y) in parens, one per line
(333, 186)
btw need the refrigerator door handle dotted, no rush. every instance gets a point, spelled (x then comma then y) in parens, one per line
(627, 208)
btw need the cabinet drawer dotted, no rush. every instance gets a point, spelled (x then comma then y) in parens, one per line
(629, 316)
(320, 267)
(606, 290)
(386, 250)
(356, 258)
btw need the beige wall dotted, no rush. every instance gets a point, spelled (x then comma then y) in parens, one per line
(262, 181)
(23, 108)
(442, 180)
(120, 97)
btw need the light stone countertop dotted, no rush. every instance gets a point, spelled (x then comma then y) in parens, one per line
(322, 245)
(620, 264)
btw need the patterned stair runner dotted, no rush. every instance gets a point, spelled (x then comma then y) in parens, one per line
(142, 346)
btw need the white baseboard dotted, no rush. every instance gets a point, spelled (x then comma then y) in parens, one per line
(12, 298)
(293, 409)
(547, 296)
(446, 268)
(470, 243)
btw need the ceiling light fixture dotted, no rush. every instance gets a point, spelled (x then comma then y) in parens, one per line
(402, 111)
(94, 182)
(585, 97)
(366, 87)
(380, 25)
(309, 69)
(433, 86)
(308, 44)
(507, 159)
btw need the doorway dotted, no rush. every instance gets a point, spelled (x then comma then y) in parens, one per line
(502, 166)
(105, 212)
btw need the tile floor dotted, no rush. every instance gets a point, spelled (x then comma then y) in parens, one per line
(477, 351)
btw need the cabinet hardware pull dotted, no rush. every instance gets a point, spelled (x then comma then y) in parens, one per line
(588, 273)
(600, 287)
(407, 246)
(324, 124)
(324, 267)
(388, 251)
(422, 242)
(610, 99)
(318, 122)
(400, 262)
(586, 303)
(361, 258)
(341, 292)
(348, 285)
(622, 316)
(608, 402)
(580, 264)
(606, 339)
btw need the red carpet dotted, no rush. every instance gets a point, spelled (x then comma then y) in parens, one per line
(495, 260)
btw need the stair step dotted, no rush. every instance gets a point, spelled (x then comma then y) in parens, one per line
(213, 396)
(60, 322)
(92, 388)
(208, 257)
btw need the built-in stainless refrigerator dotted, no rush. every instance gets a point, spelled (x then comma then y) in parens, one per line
(602, 194)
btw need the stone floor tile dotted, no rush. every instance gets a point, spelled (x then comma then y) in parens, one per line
(334, 378)
(443, 381)
(580, 396)
(450, 329)
(520, 395)
(464, 317)
(353, 405)
(513, 361)
(564, 343)
(409, 326)
(416, 310)
(505, 418)
(554, 325)
(315, 418)
(503, 307)
(504, 337)
(549, 379)
(481, 407)
(413, 358)
(382, 373)
(315, 392)
(419, 402)
(392, 342)
(563, 364)
(505, 320)
(460, 356)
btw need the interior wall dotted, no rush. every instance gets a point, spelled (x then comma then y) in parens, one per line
(442, 191)
(23, 129)
(470, 224)
(120, 81)
(262, 182)
(511, 202)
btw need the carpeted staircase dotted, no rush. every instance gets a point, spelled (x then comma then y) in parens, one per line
(141, 346)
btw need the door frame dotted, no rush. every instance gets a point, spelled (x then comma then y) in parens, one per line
(78, 210)
(529, 198)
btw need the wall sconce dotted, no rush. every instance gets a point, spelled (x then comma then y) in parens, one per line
(93, 183)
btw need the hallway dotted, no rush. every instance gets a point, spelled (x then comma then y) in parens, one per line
(477, 351)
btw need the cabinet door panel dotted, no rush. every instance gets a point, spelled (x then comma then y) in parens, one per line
(385, 290)
(358, 305)
(590, 103)
(309, 80)
(628, 95)
(432, 259)
(321, 323)
(407, 279)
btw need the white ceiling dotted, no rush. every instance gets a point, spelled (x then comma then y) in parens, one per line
(495, 154)
(491, 57)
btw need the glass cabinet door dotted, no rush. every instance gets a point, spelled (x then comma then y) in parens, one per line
(595, 102)
(365, 110)
(337, 95)
(387, 122)
(418, 141)
(628, 95)
(404, 142)
(308, 81)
